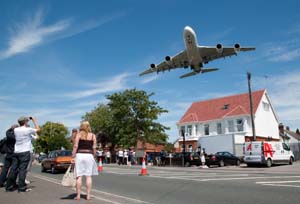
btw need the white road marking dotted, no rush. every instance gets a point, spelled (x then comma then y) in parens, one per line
(266, 182)
(55, 181)
(281, 185)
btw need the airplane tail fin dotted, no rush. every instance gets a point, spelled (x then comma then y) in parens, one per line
(202, 71)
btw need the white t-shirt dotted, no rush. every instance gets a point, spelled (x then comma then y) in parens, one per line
(120, 153)
(23, 139)
(108, 154)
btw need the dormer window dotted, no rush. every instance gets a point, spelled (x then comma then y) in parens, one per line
(225, 107)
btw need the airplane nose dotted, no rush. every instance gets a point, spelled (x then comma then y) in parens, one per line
(188, 28)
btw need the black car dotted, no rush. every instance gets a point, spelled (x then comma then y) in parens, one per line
(192, 158)
(222, 159)
(42, 157)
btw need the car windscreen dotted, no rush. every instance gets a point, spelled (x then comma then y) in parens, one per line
(64, 153)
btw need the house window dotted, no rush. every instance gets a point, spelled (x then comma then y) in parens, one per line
(206, 129)
(196, 129)
(266, 106)
(182, 131)
(239, 125)
(190, 130)
(230, 126)
(219, 128)
(190, 148)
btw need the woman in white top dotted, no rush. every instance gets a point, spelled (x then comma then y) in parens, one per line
(84, 151)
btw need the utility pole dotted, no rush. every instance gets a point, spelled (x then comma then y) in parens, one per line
(183, 152)
(251, 105)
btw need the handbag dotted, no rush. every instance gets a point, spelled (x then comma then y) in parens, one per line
(69, 178)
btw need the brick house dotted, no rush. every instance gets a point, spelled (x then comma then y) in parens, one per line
(229, 115)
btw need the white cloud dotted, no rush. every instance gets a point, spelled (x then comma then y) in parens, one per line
(286, 56)
(149, 79)
(114, 84)
(284, 91)
(31, 33)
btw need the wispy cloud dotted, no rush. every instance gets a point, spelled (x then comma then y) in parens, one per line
(116, 83)
(284, 91)
(31, 33)
(149, 79)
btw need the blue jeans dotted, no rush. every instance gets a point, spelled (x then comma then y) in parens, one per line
(19, 166)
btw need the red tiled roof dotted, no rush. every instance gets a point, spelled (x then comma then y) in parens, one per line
(215, 108)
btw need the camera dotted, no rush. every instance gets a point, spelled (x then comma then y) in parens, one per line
(30, 118)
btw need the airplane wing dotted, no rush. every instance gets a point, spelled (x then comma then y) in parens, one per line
(177, 61)
(210, 53)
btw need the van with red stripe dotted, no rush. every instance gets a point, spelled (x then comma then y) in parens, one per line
(267, 153)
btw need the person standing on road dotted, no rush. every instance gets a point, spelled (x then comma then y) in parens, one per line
(21, 156)
(10, 147)
(84, 153)
(73, 137)
(108, 155)
(120, 156)
(202, 157)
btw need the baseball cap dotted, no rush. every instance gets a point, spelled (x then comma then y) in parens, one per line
(23, 118)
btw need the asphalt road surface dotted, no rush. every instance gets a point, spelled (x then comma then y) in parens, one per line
(122, 184)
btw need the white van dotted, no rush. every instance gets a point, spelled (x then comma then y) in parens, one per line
(267, 153)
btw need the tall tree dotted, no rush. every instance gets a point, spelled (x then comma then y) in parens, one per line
(52, 137)
(134, 117)
(100, 120)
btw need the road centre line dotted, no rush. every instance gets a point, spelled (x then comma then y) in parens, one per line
(270, 182)
(55, 181)
(201, 176)
(226, 179)
(281, 185)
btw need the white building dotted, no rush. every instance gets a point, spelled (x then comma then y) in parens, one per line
(229, 115)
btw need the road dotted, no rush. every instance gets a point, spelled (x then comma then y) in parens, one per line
(118, 185)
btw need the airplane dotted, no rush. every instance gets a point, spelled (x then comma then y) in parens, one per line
(194, 56)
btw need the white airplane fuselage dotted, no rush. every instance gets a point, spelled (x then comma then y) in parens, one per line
(192, 50)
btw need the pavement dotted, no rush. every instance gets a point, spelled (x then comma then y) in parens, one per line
(44, 192)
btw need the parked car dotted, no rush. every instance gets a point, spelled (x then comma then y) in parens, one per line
(192, 158)
(222, 159)
(57, 160)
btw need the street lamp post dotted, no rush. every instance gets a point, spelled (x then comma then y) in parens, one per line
(183, 151)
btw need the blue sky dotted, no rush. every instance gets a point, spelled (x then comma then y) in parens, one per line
(59, 59)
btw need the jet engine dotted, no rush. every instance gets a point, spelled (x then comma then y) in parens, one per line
(237, 47)
(152, 66)
(219, 48)
(168, 60)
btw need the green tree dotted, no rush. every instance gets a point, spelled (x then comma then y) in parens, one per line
(52, 137)
(169, 147)
(134, 117)
(101, 123)
(297, 131)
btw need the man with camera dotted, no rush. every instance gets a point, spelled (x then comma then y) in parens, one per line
(21, 156)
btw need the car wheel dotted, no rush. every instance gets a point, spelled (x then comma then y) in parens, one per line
(221, 163)
(53, 171)
(269, 163)
(187, 164)
(43, 169)
(238, 162)
(291, 161)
